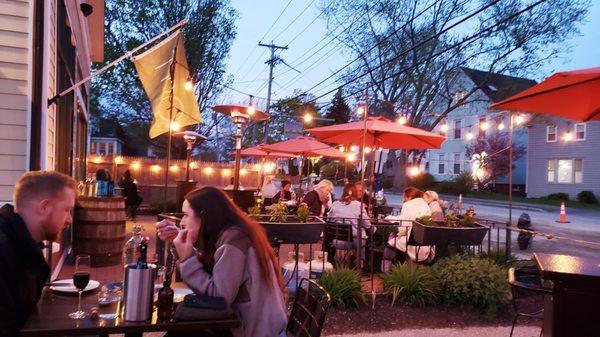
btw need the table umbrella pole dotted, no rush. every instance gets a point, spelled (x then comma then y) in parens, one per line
(362, 176)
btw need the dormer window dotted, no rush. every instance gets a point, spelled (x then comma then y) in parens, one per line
(459, 96)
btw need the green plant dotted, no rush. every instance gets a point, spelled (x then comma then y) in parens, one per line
(426, 220)
(558, 196)
(464, 182)
(344, 287)
(278, 212)
(587, 197)
(412, 284)
(498, 257)
(303, 213)
(467, 221)
(472, 282)
(255, 210)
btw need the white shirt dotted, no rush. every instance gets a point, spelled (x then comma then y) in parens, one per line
(411, 210)
(268, 190)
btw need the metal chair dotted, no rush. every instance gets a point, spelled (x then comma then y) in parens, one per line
(309, 310)
(519, 287)
(337, 238)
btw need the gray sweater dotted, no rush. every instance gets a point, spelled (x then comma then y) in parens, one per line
(237, 277)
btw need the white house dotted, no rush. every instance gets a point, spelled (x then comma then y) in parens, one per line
(45, 46)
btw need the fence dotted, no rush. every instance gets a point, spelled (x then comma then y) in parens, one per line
(150, 173)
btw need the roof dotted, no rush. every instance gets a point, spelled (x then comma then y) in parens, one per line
(497, 86)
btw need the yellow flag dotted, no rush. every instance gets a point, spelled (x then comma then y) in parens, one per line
(153, 67)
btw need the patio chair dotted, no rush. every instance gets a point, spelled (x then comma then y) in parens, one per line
(521, 289)
(308, 312)
(338, 238)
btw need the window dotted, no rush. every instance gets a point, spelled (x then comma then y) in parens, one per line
(457, 128)
(580, 131)
(94, 149)
(483, 125)
(551, 133)
(102, 148)
(551, 170)
(457, 163)
(110, 148)
(565, 171)
(578, 171)
(427, 166)
(441, 163)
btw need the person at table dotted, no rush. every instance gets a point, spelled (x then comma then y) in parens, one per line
(319, 200)
(285, 194)
(347, 210)
(268, 189)
(413, 207)
(131, 195)
(234, 260)
(433, 201)
(362, 191)
(43, 202)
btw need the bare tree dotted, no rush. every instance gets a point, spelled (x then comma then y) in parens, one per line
(420, 82)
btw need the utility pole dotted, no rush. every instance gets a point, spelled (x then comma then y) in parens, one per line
(272, 61)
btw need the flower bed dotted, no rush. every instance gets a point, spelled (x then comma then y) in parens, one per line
(450, 231)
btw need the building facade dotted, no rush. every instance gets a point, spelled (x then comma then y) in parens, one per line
(475, 119)
(566, 155)
(45, 47)
(105, 146)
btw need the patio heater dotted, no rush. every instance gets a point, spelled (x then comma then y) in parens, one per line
(190, 138)
(240, 116)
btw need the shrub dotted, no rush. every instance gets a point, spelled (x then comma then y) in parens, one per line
(558, 196)
(423, 181)
(344, 287)
(447, 187)
(412, 284)
(472, 282)
(464, 182)
(498, 257)
(587, 197)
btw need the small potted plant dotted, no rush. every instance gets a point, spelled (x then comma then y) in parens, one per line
(284, 228)
(460, 230)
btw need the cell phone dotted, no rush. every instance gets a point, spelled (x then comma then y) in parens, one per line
(204, 302)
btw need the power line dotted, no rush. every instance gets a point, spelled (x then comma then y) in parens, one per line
(293, 21)
(305, 28)
(472, 37)
(267, 32)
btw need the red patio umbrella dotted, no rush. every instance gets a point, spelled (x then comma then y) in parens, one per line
(304, 147)
(380, 132)
(569, 94)
(258, 152)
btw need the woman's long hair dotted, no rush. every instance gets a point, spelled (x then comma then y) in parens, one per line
(349, 194)
(218, 213)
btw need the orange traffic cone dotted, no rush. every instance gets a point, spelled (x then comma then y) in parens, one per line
(563, 214)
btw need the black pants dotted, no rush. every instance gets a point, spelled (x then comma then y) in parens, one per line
(132, 206)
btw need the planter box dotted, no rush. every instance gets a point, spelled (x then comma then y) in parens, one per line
(292, 231)
(444, 235)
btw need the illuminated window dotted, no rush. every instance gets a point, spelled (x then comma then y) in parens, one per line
(565, 171)
(551, 133)
(551, 170)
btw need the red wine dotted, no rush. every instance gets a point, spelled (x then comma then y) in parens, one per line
(81, 279)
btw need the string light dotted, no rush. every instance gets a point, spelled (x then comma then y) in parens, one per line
(501, 125)
(118, 160)
(251, 110)
(342, 149)
(243, 172)
(174, 168)
(226, 172)
(155, 168)
(484, 125)
(136, 165)
(469, 135)
(208, 170)
(175, 126)
(568, 136)
(519, 119)
(401, 120)
(414, 171)
(269, 167)
(367, 149)
(444, 127)
(97, 160)
(307, 118)
(189, 85)
(193, 165)
(351, 157)
(354, 148)
(360, 111)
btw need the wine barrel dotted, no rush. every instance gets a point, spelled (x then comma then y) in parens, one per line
(99, 229)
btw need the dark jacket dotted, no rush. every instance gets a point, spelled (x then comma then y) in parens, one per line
(23, 272)
(130, 192)
(314, 202)
(282, 195)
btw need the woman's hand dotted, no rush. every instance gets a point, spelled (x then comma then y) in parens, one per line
(167, 230)
(184, 245)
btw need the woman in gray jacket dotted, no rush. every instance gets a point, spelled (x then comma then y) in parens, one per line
(234, 260)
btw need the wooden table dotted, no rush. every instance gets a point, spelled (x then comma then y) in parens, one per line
(574, 307)
(51, 320)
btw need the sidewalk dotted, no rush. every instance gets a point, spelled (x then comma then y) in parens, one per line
(500, 331)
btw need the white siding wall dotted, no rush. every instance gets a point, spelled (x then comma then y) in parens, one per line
(50, 122)
(15, 30)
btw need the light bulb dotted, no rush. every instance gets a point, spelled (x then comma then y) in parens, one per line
(414, 171)
(367, 149)
(155, 168)
(519, 119)
(484, 126)
(480, 173)
(307, 118)
(189, 85)
(469, 135)
(174, 168)
(360, 110)
(568, 136)
(351, 157)
(501, 126)
(354, 148)
(175, 126)
(401, 120)
(251, 110)
(444, 128)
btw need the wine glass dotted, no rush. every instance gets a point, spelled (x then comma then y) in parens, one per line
(81, 278)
